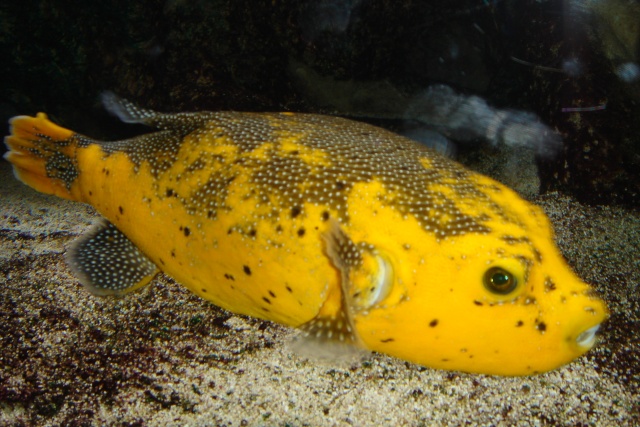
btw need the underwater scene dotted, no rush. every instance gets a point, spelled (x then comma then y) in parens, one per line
(320, 213)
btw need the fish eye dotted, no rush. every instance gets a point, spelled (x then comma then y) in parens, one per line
(499, 281)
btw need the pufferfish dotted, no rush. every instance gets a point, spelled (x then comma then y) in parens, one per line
(358, 236)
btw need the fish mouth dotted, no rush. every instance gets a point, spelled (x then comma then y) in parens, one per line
(587, 338)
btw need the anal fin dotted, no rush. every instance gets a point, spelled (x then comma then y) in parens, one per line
(108, 263)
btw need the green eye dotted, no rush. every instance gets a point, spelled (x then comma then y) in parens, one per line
(499, 281)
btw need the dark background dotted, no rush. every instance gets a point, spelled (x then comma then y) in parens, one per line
(181, 55)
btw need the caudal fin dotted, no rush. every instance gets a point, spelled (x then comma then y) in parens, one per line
(42, 154)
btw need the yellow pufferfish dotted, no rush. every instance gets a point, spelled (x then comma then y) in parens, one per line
(358, 236)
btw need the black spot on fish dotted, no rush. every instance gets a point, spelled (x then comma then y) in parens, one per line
(90, 193)
(246, 270)
(230, 230)
(252, 233)
(267, 300)
(537, 255)
(301, 232)
(204, 291)
(476, 302)
(173, 254)
(279, 228)
(210, 214)
(161, 261)
(120, 210)
(340, 185)
(295, 211)
(387, 340)
(289, 289)
(186, 231)
(229, 276)
(272, 294)
(433, 323)
(541, 326)
(265, 309)
(549, 285)
(519, 324)
(325, 215)
(170, 192)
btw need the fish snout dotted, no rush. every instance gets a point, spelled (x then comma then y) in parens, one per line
(596, 313)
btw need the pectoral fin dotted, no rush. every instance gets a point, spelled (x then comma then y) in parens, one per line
(332, 333)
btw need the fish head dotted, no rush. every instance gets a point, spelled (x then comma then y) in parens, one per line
(502, 301)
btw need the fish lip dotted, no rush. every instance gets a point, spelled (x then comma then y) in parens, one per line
(586, 339)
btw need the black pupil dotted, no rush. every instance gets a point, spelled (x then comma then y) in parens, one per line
(500, 279)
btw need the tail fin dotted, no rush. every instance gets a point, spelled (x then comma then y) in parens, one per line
(42, 154)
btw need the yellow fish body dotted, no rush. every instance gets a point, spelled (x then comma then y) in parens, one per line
(354, 234)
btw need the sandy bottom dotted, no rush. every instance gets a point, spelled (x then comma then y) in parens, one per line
(164, 357)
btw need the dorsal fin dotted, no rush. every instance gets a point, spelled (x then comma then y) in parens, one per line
(128, 112)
